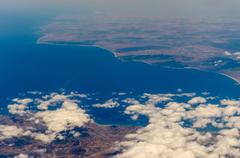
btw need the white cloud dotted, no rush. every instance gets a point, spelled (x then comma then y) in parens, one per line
(19, 106)
(23, 101)
(131, 101)
(7, 132)
(108, 104)
(227, 53)
(52, 99)
(166, 137)
(234, 55)
(21, 156)
(158, 98)
(45, 138)
(34, 92)
(68, 116)
(57, 98)
(197, 100)
(230, 102)
(17, 109)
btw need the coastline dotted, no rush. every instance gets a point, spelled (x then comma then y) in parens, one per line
(115, 55)
(220, 73)
(236, 80)
(81, 45)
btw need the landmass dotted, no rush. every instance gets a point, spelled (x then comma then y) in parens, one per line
(95, 141)
(65, 131)
(204, 44)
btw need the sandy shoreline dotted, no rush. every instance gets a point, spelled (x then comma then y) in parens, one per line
(223, 74)
(81, 45)
(236, 80)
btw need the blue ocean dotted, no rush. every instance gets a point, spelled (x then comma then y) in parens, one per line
(34, 67)
(27, 66)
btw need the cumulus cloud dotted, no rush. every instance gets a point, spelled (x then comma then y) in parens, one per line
(23, 101)
(111, 103)
(119, 93)
(234, 55)
(7, 132)
(131, 101)
(166, 135)
(20, 105)
(65, 117)
(230, 102)
(157, 98)
(69, 116)
(51, 100)
(21, 156)
(34, 92)
(17, 109)
(197, 100)
(176, 128)
(45, 138)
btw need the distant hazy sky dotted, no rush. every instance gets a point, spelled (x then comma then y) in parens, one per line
(150, 7)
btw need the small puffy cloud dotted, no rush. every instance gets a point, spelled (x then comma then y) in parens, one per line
(80, 95)
(23, 101)
(131, 101)
(54, 99)
(119, 93)
(231, 110)
(108, 104)
(197, 100)
(45, 138)
(205, 111)
(68, 116)
(17, 109)
(227, 53)
(7, 132)
(21, 156)
(186, 94)
(158, 98)
(19, 106)
(234, 55)
(230, 102)
(34, 92)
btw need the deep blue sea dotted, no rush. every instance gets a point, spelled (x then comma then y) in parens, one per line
(27, 66)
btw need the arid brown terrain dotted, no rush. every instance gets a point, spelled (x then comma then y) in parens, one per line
(95, 141)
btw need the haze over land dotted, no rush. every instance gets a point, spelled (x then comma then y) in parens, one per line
(166, 8)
